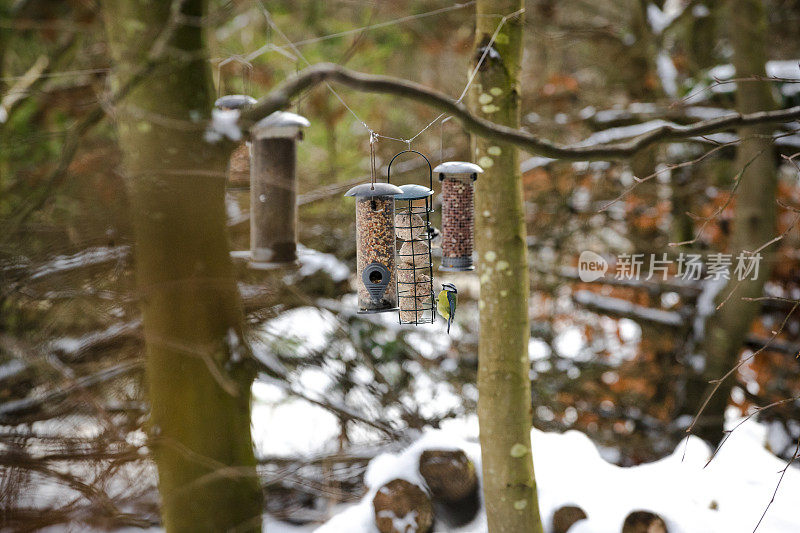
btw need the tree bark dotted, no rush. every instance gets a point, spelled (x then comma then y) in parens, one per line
(504, 404)
(755, 215)
(199, 388)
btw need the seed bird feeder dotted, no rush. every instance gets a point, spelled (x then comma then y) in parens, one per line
(375, 246)
(273, 190)
(239, 163)
(414, 263)
(458, 214)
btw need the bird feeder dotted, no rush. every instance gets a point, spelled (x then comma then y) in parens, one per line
(273, 190)
(458, 214)
(414, 263)
(239, 163)
(375, 246)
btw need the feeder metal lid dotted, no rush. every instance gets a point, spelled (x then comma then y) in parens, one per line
(412, 191)
(279, 124)
(378, 189)
(234, 101)
(458, 167)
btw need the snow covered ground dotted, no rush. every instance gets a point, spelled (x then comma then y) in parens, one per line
(728, 495)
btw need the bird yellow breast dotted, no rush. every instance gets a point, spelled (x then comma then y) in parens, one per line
(443, 305)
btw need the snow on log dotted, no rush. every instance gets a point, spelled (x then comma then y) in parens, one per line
(402, 507)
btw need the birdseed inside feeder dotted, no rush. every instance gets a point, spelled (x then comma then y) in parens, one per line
(375, 246)
(414, 262)
(239, 163)
(458, 214)
(273, 190)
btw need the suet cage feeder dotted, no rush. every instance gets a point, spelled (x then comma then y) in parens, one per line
(458, 214)
(375, 246)
(414, 262)
(273, 190)
(239, 163)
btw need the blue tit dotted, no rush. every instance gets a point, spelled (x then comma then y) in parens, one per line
(446, 303)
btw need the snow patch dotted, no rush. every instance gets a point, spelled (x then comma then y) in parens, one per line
(729, 494)
(312, 261)
(667, 73)
(224, 123)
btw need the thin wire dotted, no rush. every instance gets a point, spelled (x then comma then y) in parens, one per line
(441, 140)
(275, 27)
(247, 69)
(400, 20)
(393, 138)
(486, 50)
(374, 136)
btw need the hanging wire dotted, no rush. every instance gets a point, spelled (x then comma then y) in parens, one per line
(294, 48)
(373, 134)
(299, 96)
(345, 33)
(477, 67)
(441, 139)
(247, 70)
(373, 138)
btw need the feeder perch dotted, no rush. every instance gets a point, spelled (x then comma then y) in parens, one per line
(239, 163)
(458, 214)
(375, 246)
(414, 262)
(273, 190)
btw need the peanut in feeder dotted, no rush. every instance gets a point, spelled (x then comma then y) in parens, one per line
(458, 214)
(414, 263)
(375, 246)
(273, 190)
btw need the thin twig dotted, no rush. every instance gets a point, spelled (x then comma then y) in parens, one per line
(778, 486)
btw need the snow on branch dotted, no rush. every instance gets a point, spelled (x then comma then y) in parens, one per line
(281, 97)
(624, 308)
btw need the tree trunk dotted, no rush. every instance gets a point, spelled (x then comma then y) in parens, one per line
(199, 391)
(504, 405)
(754, 220)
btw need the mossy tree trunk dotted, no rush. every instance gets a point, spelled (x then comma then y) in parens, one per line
(755, 215)
(504, 404)
(199, 390)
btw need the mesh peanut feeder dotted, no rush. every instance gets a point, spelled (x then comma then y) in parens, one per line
(239, 163)
(375, 246)
(414, 263)
(273, 190)
(458, 214)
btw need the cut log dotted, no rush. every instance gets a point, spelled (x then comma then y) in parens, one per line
(402, 507)
(565, 517)
(644, 522)
(450, 474)
(453, 483)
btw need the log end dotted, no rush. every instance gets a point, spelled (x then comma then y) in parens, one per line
(565, 517)
(644, 522)
(401, 506)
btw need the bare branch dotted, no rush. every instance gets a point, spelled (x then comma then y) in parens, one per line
(281, 97)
